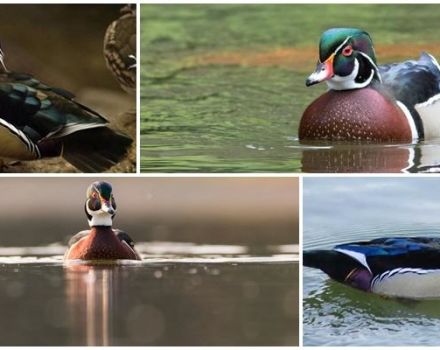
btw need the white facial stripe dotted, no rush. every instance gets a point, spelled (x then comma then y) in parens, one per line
(373, 64)
(348, 82)
(342, 45)
(99, 217)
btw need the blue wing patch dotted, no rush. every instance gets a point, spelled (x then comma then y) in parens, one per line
(391, 246)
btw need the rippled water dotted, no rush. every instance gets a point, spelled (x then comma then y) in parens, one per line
(346, 210)
(223, 86)
(180, 294)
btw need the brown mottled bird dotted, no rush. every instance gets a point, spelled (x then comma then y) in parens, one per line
(120, 48)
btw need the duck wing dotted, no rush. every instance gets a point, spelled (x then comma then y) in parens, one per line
(50, 119)
(125, 238)
(76, 238)
(413, 83)
(385, 254)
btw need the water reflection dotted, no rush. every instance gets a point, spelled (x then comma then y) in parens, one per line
(90, 298)
(184, 301)
(368, 158)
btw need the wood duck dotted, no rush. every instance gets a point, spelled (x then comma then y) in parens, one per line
(394, 102)
(120, 48)
(38, 121)
(407, 267)
(101, 242)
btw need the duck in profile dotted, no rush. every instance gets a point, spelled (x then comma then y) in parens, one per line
(101, 242)
(406, 267)
(393, 102)
(38, 121)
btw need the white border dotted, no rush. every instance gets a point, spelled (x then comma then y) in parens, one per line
(300, 267)
(138, 88)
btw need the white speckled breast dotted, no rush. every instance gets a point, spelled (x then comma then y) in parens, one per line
(354, 115)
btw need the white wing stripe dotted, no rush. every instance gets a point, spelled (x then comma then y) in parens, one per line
(30, 145)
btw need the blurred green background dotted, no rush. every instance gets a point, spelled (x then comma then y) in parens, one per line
(222, 86)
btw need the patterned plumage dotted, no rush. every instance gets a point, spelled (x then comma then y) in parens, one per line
(101, 242)
(39, 121)
(380, 98)
(120, 48)
(396, 266)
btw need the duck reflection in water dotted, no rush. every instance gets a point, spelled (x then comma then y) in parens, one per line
(90, 294)
(370, 158)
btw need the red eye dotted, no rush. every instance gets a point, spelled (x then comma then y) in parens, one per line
(347, 51)
(94, 195)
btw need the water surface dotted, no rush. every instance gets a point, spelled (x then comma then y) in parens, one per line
(180, 294)
(222, 86)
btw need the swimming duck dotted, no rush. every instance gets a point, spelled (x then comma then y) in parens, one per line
(393, 102)
(38, 121)
(407, 267)
(120, 48)
(101, 242)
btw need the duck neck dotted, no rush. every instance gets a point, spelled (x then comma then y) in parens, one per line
(101, 220)
(95, 230)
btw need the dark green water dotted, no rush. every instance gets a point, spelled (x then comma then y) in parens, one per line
(222, 86)
(164, 300)
(338, 210)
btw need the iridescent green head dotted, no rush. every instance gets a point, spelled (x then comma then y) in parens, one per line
(100, 205)
(346, 59)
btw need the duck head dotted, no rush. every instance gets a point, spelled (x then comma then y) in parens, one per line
(346, 60)
(100, 206)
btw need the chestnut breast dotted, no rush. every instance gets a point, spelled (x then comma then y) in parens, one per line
(349, 115)
(100, 244)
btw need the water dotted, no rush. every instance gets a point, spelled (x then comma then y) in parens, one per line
(180, 294)
(338, 210)
(222, 86)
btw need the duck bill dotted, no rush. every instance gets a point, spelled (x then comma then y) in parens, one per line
(107, 207)
(323, 71)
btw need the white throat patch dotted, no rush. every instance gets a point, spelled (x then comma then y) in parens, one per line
(348, 82)
(99, 218)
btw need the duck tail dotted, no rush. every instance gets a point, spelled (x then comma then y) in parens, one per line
(95, 150)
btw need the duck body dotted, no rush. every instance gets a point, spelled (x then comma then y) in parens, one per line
(406, 267)
(357, 115)
(120, 48)
(101, 242)
(394, 102)
(38, 121)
